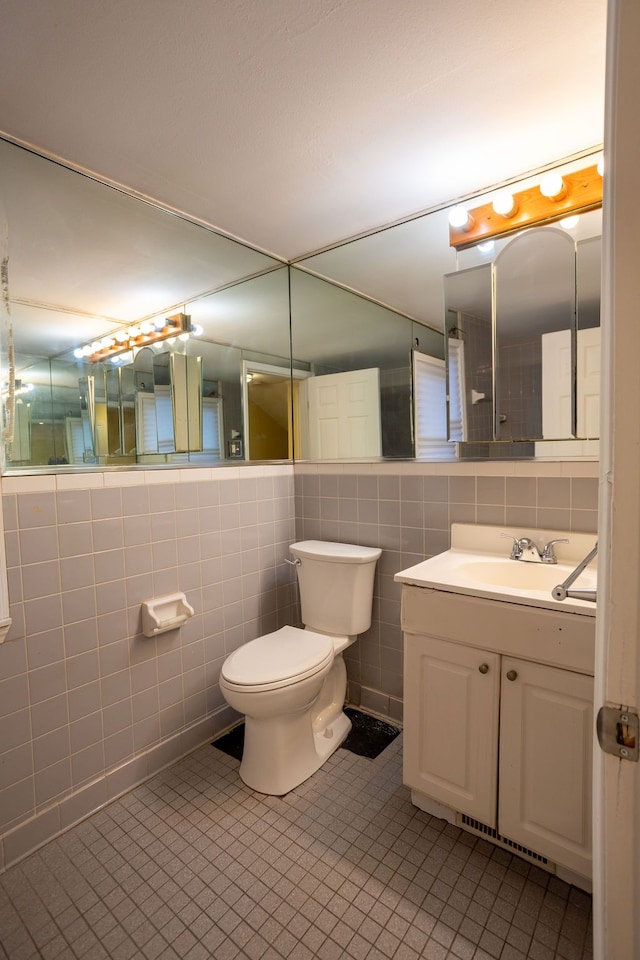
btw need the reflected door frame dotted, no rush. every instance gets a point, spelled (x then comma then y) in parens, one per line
(291, 375)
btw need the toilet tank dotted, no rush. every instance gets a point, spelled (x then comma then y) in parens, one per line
(336, 585)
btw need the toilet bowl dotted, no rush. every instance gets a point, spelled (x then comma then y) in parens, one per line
(291, 684)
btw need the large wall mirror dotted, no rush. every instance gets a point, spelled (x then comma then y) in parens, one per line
(411, 269)
(90, 266)
(142, 338)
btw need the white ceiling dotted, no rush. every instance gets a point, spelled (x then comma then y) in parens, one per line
(293, 124)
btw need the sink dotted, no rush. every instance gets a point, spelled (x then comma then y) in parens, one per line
(477, 565)
(523, 575)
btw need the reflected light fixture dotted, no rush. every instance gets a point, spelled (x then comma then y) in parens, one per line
(145, 334)
(568, 223)
(556, 197)
(19, 388)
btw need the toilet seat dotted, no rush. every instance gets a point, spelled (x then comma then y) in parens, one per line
(278, 659)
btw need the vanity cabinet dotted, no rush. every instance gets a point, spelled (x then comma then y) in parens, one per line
(501, 738)
(546, 746)
(450, 749)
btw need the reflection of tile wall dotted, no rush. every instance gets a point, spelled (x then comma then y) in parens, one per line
(88, 705)
(479, 376)
(408, 512)
(520, 390)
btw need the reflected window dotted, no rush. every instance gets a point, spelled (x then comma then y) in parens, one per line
(430, 409)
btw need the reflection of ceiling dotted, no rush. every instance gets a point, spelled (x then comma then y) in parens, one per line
(296, 123)
(336, 329)
(402, 266)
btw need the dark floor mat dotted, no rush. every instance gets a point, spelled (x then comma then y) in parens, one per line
(368, 736)
(232, 743)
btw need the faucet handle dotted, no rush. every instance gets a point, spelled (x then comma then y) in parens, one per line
(516, 550)
(548, 553)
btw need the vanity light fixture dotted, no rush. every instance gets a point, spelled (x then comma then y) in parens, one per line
(553, 187)
(145, 334)
(505, 204)
(460, 218)
(555, 198)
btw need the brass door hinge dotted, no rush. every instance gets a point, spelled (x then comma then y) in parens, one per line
(618, 730)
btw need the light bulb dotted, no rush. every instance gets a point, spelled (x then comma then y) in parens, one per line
(553, 186)
(78, 353)
(600, 166)
(146, 328)
(486, 247)
(121, 336)
(505, 204)
(460, 218)
(87, 351)
(197, 330)
(183, 336)
(568, 223)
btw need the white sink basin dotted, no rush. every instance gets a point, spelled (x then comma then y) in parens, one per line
(478, 564)
(522, 574)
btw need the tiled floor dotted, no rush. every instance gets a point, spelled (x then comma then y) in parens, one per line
(194, 865)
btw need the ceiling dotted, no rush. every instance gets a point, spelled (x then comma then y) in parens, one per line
(293, 124)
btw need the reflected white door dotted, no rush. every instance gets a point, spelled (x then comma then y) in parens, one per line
(556, 394)
(588, 373)
(556, 385)
(344, 415)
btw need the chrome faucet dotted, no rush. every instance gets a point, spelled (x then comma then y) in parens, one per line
(525, 549)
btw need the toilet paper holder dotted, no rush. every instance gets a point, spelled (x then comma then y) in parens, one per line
(161, 614)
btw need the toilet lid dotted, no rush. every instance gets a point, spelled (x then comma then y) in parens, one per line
(288, 654)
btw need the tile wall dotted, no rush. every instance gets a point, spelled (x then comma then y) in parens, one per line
(407, 509)
(88, 705)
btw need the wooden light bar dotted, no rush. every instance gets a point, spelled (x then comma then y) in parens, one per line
(583, 191)
(173, 326)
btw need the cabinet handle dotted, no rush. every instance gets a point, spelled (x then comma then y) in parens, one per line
(512, 674)
(484, 668)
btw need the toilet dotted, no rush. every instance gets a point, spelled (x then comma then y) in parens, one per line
(291, 684)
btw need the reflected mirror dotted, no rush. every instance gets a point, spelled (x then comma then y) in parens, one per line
(523, 344)
(534, 295)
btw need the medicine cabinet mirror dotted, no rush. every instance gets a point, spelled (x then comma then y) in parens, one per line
(523, 343)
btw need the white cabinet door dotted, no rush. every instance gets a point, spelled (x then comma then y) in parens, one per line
(546, 743)
(451, 724)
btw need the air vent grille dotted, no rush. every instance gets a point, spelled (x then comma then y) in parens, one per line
(481, 828)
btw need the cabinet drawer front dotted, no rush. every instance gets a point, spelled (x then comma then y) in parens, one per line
(559, 639)
(546, 744)
(451, 724)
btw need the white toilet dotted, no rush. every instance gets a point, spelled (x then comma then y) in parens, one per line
(291, 684)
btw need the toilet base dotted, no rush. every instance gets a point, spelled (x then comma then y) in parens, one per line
(329, 739)
(278, 757)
